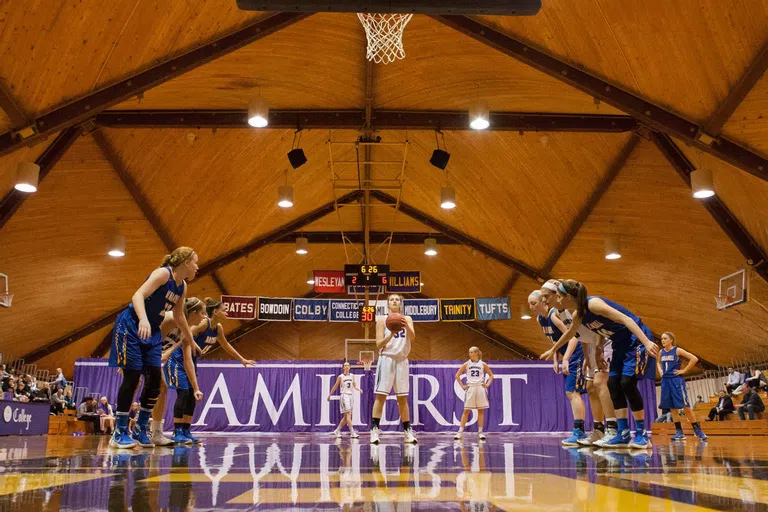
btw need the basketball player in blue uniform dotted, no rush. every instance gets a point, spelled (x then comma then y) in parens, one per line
(632, 345)
(575, 383)
(137, 341)
(674, 394)
(181, 368)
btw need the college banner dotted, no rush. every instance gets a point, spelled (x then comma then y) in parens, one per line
(493, 309)
(404, 282)
(275, 309)
(310, 310)
(24, 418)
(329, 281)
(290, 396)
(457, 310)
(422, 310)
(345, 310)
(239, 308)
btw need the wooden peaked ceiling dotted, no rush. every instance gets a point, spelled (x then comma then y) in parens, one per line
(596, 125)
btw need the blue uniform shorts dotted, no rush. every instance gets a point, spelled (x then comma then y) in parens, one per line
(575, 381)
(176, 375)
(674, 393)
(130, 352)
(630, 357)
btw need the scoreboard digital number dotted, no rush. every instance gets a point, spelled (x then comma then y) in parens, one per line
(365, 275)
(367, 314)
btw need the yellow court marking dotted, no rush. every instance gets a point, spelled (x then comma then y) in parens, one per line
(742, 489)
(12, 483)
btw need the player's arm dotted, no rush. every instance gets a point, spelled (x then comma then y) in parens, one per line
(659, 369)
(490, 375)
(572, 344)
(599, 307)
(409, 330)
(231, 350)
(335, 386)
(381, 340)
(181, 321)
(165, 328)
(461, 372)
(156, 279)
(189, 368)
(565, 338)
(692, 360)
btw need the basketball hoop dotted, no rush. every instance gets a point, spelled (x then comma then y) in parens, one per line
(366, 359)
(384, 33)
(6, 298)
(722, 301)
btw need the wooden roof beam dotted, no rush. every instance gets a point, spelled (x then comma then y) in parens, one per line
(50, 157)
(358, 237)
(91, 104)
(355, 119)
(644, 111)
(205, 270)
(11, 108)
(457, 235)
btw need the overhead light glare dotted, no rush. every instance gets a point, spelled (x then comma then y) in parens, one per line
(27, 175)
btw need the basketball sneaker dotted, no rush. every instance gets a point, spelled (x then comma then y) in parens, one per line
(640, 442)
(157, 435)
(679, 436)
(591, 439)
(459, 435)
(610, 433)
(353, 434)
(481, 436)
(620, 440)
(188, 433)
(375, 435)
(179, 437)
(409, 437)
(336, 433)
(121, 439)
(142, 439)
(574, 439)
(701, 435)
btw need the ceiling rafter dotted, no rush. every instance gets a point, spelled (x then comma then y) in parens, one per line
(644, 111)
(11, 108)
(358, 237)
(87, 106)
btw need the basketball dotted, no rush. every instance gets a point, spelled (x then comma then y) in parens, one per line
(394, 322)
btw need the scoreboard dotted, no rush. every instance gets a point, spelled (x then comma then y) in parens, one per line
(366, 275)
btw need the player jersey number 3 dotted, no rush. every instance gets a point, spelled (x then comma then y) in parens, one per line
(474, 372)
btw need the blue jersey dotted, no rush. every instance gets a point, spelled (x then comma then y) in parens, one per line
(605, 326)
(163, 299)
(554, 334)
(205, 340)
(670, 362)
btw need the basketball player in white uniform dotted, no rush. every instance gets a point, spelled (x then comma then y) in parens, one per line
(348, 384)
(392, 369)
(476, 390)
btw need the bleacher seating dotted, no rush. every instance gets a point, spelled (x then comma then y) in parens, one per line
(67, 424)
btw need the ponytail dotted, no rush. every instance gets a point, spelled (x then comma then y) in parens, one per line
(179, 256)
(579, 292)
(211, 305)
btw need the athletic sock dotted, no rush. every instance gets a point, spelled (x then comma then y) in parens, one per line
(578, 424)
(178, 425)
(479, 430)
(143, 418)
(406, 425)
(611, 423)
(678, 426)
(598, 425)
(622, 424)
(375, 422)
(461, 429)
(121, 422)
(640, 426)
(695, 424)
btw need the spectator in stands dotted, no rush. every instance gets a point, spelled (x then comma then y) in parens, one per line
(699, 400)
(132, 416)
(41, 393)
(21, 393)
(107, 416)
(3, 374)
(31, 382)
(750, 404)
(755, 379)
(70, 404)
(9, 385)
(87, 412)
(734, 380)
(724, 406)
(61, 381)
(58, 402)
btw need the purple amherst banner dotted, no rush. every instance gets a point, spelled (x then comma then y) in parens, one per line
(290, 396)
(23, 419)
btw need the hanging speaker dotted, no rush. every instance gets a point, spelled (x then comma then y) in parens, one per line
(440, 159)
(297, 158)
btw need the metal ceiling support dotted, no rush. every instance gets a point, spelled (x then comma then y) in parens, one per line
(458, 235)
(355, 120)
(488, 7)
(12, 109)
(358, 237)
(647, 113)
(729, 223)
(13, 199)
(87, 106)
(133, 189)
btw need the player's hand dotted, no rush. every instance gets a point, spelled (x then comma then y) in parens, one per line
(464, 387)
(248, 362)
(679, 372)
(652, 349)
(145, 331)
(556, 366)
(196, 349)
(328, 398)
(601, 363)
(566, 369)
(198, 395)
(547, 354)
(485, 385)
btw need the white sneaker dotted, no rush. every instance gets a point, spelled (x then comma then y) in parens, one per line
(458, 435)
(409, 437)
(592, 438)
(481, 436)
(375, 435)
(354, 434)
(159, 439)
(610, 433)
(337, 433)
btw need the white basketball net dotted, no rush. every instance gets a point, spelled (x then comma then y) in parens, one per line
(385, 36)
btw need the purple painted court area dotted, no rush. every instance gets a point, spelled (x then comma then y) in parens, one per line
(290, 396)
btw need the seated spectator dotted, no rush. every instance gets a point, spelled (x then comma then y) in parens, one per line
(9, 385)
(735, 379)
(699, 400)
(755, 379)
(21, 394)
(3, 374)
(87, 412)
(70, 403)
(41, 393)
(61, 381)
(107, 417)
(58, 402)
(750, 404)
(724, 406)
(132, 416)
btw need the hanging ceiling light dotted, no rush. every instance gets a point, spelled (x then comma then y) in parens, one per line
(296, 156)
(27, 174)
(447, 197)
(525, 313)
(479, 116)
(612, 247)
(285, 196)
(440, 157)
(702, 184)
(258, 113)
(430, 246)
(310, 277)
(302, 245)
(117, 246)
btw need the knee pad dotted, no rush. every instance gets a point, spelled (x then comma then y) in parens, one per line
(127, 389)
(629, 387)
(617, 395)
(189, 409)
(152, 378)
(182, 395)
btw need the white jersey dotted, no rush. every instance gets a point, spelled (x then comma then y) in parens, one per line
(347, 384)
(171, 339)
(475, 373)
(584, 334)
(399, 346)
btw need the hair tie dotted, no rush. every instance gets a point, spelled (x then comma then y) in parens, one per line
(549, 286)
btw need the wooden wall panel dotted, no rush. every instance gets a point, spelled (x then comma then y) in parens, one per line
(749, 122)
(65, 358)
(682, 55)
